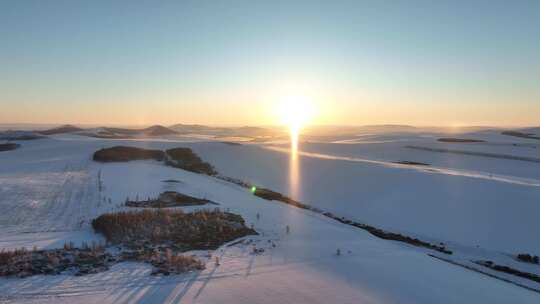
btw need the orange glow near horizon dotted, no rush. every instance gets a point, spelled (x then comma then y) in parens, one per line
(267, 108)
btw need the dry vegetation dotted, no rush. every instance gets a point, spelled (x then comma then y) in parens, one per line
(165, 260)
(156, 237)
(202, 229)
(23, 263)
(159, 237)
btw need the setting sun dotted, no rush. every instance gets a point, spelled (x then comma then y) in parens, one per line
(295, 112)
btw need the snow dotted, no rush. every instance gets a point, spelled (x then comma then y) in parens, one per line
(50, 190)
(470, 200)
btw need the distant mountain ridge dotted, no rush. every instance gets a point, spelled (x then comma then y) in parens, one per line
(107, 132)
(255, 133)
(19, 135)
(245, 131)
(155, 130)
(60, 130)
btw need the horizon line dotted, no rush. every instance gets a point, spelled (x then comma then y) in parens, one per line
(95, 125)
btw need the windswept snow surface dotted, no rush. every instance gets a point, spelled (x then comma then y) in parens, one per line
(50, 190)
(478, 207)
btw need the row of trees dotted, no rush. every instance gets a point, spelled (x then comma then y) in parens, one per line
(185, 158)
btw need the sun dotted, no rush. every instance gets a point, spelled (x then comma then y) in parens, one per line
(294, 112)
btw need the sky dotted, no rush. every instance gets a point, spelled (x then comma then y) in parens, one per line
(436, 63)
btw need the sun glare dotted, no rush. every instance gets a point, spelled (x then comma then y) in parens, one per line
(294, 112)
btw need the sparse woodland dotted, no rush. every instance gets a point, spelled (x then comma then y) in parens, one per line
(157, 237)
(197, 230)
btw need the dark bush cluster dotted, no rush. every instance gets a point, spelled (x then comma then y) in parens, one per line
(236, 181)
(8, 147)
(231, 143)
(184, 158)
(123, 154)
(184, 231)
(459, 140)
(169, 199)
(525, 257)
(412, 163)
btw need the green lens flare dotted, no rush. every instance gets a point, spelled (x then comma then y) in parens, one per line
(253, 189)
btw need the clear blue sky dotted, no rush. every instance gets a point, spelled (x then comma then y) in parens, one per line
(227, 62)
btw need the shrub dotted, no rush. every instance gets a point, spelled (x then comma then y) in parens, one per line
(184, 158)
(123, 154)
(525, 257)
(169, 199)
(8, 147)
(168, 262)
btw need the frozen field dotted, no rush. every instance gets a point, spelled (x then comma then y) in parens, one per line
(50, 190)
(471, 200)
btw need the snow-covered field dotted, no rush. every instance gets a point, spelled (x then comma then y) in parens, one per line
(50, 190)
(471, 200)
